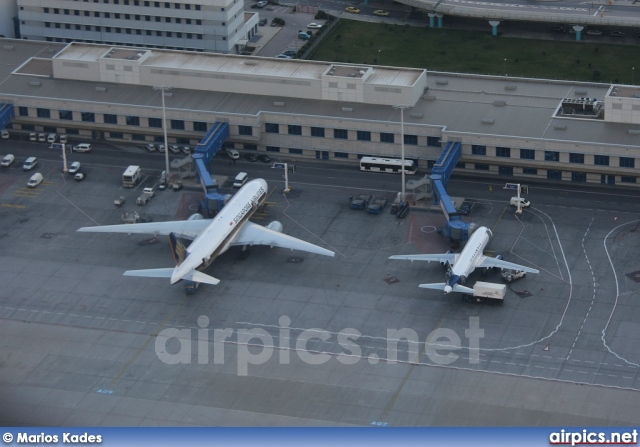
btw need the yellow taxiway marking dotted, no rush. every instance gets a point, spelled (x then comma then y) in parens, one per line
(9, 205)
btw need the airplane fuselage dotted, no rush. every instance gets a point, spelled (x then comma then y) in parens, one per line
(469, 257)
(215, 239)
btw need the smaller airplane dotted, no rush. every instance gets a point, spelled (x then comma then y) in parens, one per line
(212, 237)
(461, 265)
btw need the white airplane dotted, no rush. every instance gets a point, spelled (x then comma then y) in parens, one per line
(212, 237)
(461, 265)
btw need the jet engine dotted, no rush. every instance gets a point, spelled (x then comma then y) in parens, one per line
(196, 216)
(275, 226)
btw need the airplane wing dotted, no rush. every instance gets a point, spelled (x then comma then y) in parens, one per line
(254, 234)
(444, 257)
(188, 229)
(193, 275)
(487, 262)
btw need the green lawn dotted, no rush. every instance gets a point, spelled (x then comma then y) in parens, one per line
(478, 52)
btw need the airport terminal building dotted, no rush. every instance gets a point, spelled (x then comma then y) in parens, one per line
(514, 128)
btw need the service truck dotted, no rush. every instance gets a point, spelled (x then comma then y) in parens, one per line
(360, 202)
(486, 291)
(147, 193)
(131, 176)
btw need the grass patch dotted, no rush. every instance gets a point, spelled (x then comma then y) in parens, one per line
(477, 52)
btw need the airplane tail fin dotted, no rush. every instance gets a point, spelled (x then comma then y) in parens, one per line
(447, 288)
(193, 275)
(177, 248)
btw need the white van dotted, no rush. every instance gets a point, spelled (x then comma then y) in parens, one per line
(29, 163)
(233, 154)
(35, 180)
(240, 180)
(8, 160)
(523, 202)
(82, 147)
(33, 136)
(52, 138)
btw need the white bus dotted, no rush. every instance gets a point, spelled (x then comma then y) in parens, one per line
(391, 165)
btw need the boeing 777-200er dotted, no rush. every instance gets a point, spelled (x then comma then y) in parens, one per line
(464, 263)
(212, 237)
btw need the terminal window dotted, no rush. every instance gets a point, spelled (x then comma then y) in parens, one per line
(23, 111)
(578, 177)
(530, 171)
(295, 130)
(110, 118)
(482, 167)
(478, 150)
(272, 149)
(601, 160)
(177, 124)
(527, 154)
(245, 130)
(317, 132)
(576, 158)
(551, 156)
(65, 115)
(340, 133)
(503, 152)
(386, 137)
(272, 128)
(199, 126)
(413, 140)
(133, 120)
(43, 113)
(88, 117)
(155, 122)
(627, 179)
(364, 135)
(431, 141)
(627, 162)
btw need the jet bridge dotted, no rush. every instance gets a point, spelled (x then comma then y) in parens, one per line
(202, 156)
(6, 113)
(455, 229)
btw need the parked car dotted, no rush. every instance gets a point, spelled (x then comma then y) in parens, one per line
(283, 56)
(250, 157)
(174, 149)
(290, 52)
(74, 167)
(33, 136)
(233, 154)
(558, 30)
(262, 4)
(464, 209)
(617, 34)
(594, 32)
(42, 138)
(186, 150)
(304, 36)
(151, 147)
(352, 9)
(161, 148)
(64, 139)
(381, 13)
(35, 180)
(7, 160)
(314, 25)
(5, 134)
(262, 22)
(264, 158)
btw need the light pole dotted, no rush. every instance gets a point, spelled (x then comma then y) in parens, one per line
(163, 89)
(504, 66)
(633, 77)
(379, 63)
(402, 107)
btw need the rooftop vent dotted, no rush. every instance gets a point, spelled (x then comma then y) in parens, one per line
(278, 103)
(442, 82)
(511, 87)
(416, 115)
(634, 131)
(499, 103)
(347, 109)
(101, 88)
(7, 47)
(560, 126)
(35, 83)
(487, 120)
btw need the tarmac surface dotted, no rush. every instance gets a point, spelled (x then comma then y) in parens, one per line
(290, 338)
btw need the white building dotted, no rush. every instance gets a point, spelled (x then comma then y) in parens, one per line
(508, 128)
(195, 25)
